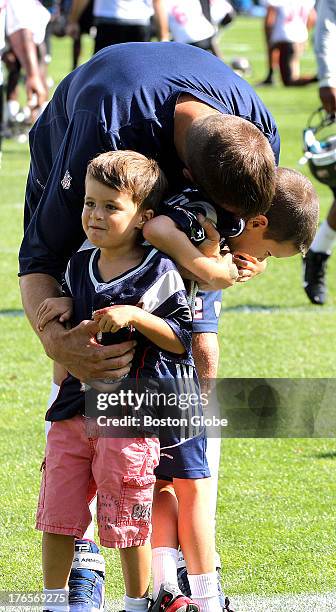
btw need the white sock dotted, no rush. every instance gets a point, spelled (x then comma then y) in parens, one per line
(204, 592)
(138, 604)
(324, 239)
(56, 602)
(164, 567)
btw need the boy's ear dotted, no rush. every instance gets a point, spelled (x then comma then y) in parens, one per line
(258, 221)
(187, 174)
(146, 215)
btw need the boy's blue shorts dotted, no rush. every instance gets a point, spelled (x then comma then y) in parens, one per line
(207, 311)
(184, 459)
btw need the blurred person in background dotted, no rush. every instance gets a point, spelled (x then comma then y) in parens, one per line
(196, 22)
(315, 262)
(18, 19)
(119, 21)
(85, 24)
(286, 30)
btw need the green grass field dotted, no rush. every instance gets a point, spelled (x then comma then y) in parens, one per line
(276, 511)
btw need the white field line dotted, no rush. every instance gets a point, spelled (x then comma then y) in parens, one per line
(275, 603)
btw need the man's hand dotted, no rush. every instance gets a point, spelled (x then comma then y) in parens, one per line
(37, 92)
(73, 30)
(80, 353)
(328, 99)
(77, 349)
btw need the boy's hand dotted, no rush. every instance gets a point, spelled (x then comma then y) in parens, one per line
(227, 272)
(53, 308)
(113, 318)
(248, 266)
(210, 246)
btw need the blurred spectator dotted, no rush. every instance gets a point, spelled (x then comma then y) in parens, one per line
(315, 263)
(32, 14)
(120, 21)
(59, 25)
(221, 12)
(25, 25)
(196, 21)
(286, 30)
(85, 24)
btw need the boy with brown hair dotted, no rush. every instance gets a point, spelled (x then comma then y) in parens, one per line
(109, 283)
(287, 228)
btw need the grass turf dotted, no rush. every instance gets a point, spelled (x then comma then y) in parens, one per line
(276, 522)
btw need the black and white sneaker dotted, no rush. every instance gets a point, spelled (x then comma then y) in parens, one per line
(314, 271)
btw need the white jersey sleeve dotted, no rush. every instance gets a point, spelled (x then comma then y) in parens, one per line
(291, 20)
(325, 43)
(187, 22)
(30, 15)
(130, 11)
(219, 9)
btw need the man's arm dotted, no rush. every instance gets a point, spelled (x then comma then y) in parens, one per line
(77, 9)
(325, 49)
(218, 272)
(25, 49)
(76, 349)
(161, 20)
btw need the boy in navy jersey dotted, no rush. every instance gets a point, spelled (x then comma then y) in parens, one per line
(124, 284)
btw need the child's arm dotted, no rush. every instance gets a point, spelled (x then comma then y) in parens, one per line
(51, 308)
(154, 328)
(218, 272)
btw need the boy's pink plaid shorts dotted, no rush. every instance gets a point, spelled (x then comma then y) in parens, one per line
(119, 470)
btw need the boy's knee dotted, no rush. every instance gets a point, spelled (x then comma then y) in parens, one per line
(186, 488)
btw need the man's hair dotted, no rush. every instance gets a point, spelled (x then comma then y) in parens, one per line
(233, 162)
(294, 213)
(130, 171)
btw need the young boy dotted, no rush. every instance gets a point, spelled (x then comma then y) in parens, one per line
(122, 190)
(286, 229)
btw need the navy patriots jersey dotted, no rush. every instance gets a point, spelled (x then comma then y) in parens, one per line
(154, 285)
(184, 208)
(124, 97)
